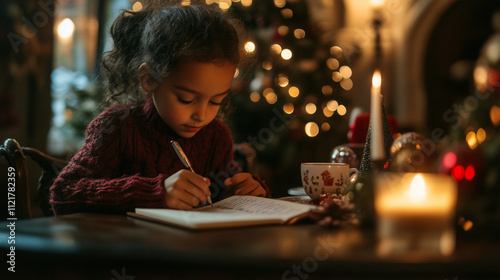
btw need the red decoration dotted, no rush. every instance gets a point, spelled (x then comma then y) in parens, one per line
(359, 129)
(465, 165)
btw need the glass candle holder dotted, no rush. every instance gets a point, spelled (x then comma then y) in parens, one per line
(415, 213)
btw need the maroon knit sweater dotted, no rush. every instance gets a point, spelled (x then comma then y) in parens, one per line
(127, 156)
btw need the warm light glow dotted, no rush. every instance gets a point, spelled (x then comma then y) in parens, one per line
(310, 108)
(286, 54)
(336, 76)
(327, 90)
(246, 3)
(293, 91)
(236, 73)
(299, 33)
(345, 71)
(267, 91)
(377, 4)
(249, 47)
(225, 4)
(327, 112)
(282, 80)
(185, 3)
(137, 6)
(287, 13)
(346, 84)
(279, 3)
(311, 129)
(468, 225)
(342, 110)
(481, 135)
(275, 48)
(255, 96)
(471, 140)
(325, 126)
(377, 79)
(481, 78)
(288, 108)
(336, 51)
(332, 63)
(267, 65)
(495, 115)
(66, 28)
(332, 105)
(283, 30)
(271, 98)
(417, 189)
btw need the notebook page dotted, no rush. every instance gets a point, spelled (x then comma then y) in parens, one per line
(258, 206)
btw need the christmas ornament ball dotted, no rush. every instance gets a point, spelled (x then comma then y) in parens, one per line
(344, 154)
(407, 154)
(409, 140)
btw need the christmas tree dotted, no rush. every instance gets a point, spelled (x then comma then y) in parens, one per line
(290, 102)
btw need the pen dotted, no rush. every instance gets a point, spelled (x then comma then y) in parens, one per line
(182, 156)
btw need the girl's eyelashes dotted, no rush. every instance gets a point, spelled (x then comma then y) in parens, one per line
(215, 103)
(184, 101)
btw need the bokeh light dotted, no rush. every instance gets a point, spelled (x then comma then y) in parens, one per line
(336, 51)
(288, 108)
(293, 91)
(286, 54)
(310, 108)
(311, 129)
(255, 96)
(342, 110)
(327, 90)
(66, 28)
(249, 47)
(332, 105)
(299, 33)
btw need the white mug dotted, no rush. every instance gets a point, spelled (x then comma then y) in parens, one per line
(321, 177)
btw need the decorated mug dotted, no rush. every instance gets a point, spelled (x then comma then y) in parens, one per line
(321, 177)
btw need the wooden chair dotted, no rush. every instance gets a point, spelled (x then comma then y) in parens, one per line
(16, 158)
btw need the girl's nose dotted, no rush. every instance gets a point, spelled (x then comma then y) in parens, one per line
(200, 112)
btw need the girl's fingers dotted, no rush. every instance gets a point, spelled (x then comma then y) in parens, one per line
(247, 188)
(258, 192)
(185, 190)
(238, 178)
(174, 201)
(199, 182)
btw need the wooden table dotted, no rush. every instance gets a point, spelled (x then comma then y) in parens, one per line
(94, 246)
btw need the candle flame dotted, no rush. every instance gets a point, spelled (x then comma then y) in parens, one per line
(377, 79)
(417, 188)
(377, 3)
(66, 28)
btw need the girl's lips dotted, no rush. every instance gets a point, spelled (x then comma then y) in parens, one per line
(192, 128)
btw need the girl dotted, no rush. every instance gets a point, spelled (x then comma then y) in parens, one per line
(168, 74)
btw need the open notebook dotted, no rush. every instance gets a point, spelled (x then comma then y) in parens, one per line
(235, 211)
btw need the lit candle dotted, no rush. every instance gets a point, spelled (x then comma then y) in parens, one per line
(377, 4)
(377, 150)
(415, 212)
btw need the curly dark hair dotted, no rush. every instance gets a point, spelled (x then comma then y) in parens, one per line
(162, 35)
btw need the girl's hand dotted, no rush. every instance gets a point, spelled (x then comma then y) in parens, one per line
(185, 189)
(243, 184)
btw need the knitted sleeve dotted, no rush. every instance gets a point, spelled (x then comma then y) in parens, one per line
(91, 182)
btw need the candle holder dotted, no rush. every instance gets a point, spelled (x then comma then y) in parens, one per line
(415, 214)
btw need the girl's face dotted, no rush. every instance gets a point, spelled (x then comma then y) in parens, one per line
(190, 97)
